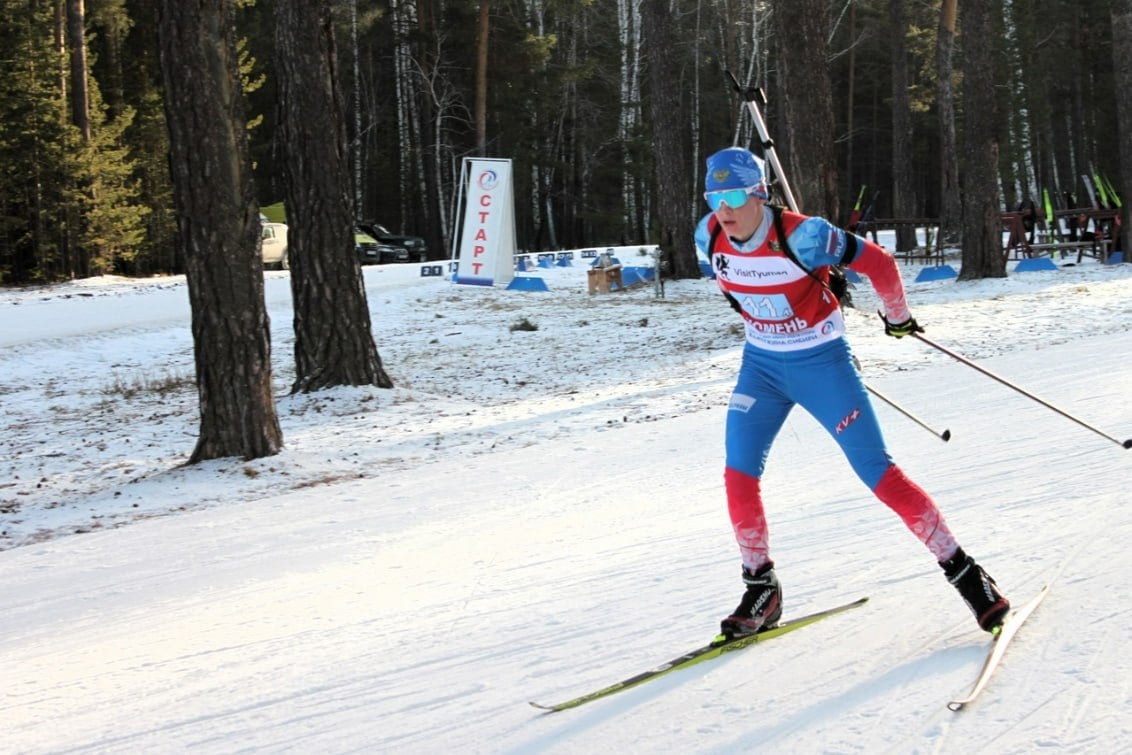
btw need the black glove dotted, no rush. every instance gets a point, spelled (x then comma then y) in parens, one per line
(901, 329)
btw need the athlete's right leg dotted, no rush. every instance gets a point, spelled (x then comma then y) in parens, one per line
(754, 417)
(755, 414)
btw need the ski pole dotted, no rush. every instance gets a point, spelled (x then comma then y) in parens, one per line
(944, 436)
(1008, 384)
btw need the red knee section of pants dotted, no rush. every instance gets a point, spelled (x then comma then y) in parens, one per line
(906, 498)
(744, 498)
(918, 511)
(745, 505)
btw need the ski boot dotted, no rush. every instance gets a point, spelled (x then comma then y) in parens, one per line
(761, 606)
(978, 589)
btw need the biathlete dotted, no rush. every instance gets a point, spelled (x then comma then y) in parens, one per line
(773, 267)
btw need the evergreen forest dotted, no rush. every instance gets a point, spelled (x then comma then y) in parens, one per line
(565, 89)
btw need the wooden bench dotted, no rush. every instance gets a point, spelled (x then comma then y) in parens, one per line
(602, 279)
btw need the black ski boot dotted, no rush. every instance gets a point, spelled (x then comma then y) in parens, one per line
(978, 589)
(761, 606)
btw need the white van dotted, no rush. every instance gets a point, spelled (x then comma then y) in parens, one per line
(275, 246)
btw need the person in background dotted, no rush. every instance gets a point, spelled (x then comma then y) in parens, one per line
(772, 265)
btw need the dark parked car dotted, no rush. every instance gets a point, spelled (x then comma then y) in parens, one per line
(372, 252)
(366, 248)
(388, 253)
(414, 245)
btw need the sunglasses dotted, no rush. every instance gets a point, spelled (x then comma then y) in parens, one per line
(735, 198)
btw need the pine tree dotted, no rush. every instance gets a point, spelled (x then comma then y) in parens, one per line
(333, 338)
(33, 143)
(113, 228)
(219, 230)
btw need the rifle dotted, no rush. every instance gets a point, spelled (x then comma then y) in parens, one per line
(752, 97)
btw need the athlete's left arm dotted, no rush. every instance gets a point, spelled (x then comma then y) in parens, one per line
(880, 266)
(818, 242)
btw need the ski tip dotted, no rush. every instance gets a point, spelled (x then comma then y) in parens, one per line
(956, 705)
(540, 706)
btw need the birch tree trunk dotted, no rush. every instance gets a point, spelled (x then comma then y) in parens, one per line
(903, 181)
(629, 39)
(950, 206)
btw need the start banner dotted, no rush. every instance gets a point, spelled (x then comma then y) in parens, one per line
(487, 238)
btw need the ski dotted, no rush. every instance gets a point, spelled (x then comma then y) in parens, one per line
(1001, 641)
(714, 649)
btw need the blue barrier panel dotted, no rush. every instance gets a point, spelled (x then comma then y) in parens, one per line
(705, 270)
(1114, 258)
(1032, 264)
(633, 275)
(521, 264)
(937, 273)
(527, 283)
(630, 277)
(565, 262)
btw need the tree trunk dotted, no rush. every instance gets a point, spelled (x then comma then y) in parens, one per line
(850, 107)
(982, 224)
(434, 146)
(806, 107)
(481, 78)
(903, 181)
(218, 230)
(1121, 50)
(629, 111)
(333, 336)
(670, 139)
(76, 40)
(950, 206)
(61, 46)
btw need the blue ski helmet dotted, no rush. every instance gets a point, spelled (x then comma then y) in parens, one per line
(734, 168)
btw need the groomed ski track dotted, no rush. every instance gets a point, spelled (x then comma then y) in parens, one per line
(419, 609)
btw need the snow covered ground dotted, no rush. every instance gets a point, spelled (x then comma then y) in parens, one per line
(532, 514)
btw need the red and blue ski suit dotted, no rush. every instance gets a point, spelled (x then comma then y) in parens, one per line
(796, 353)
